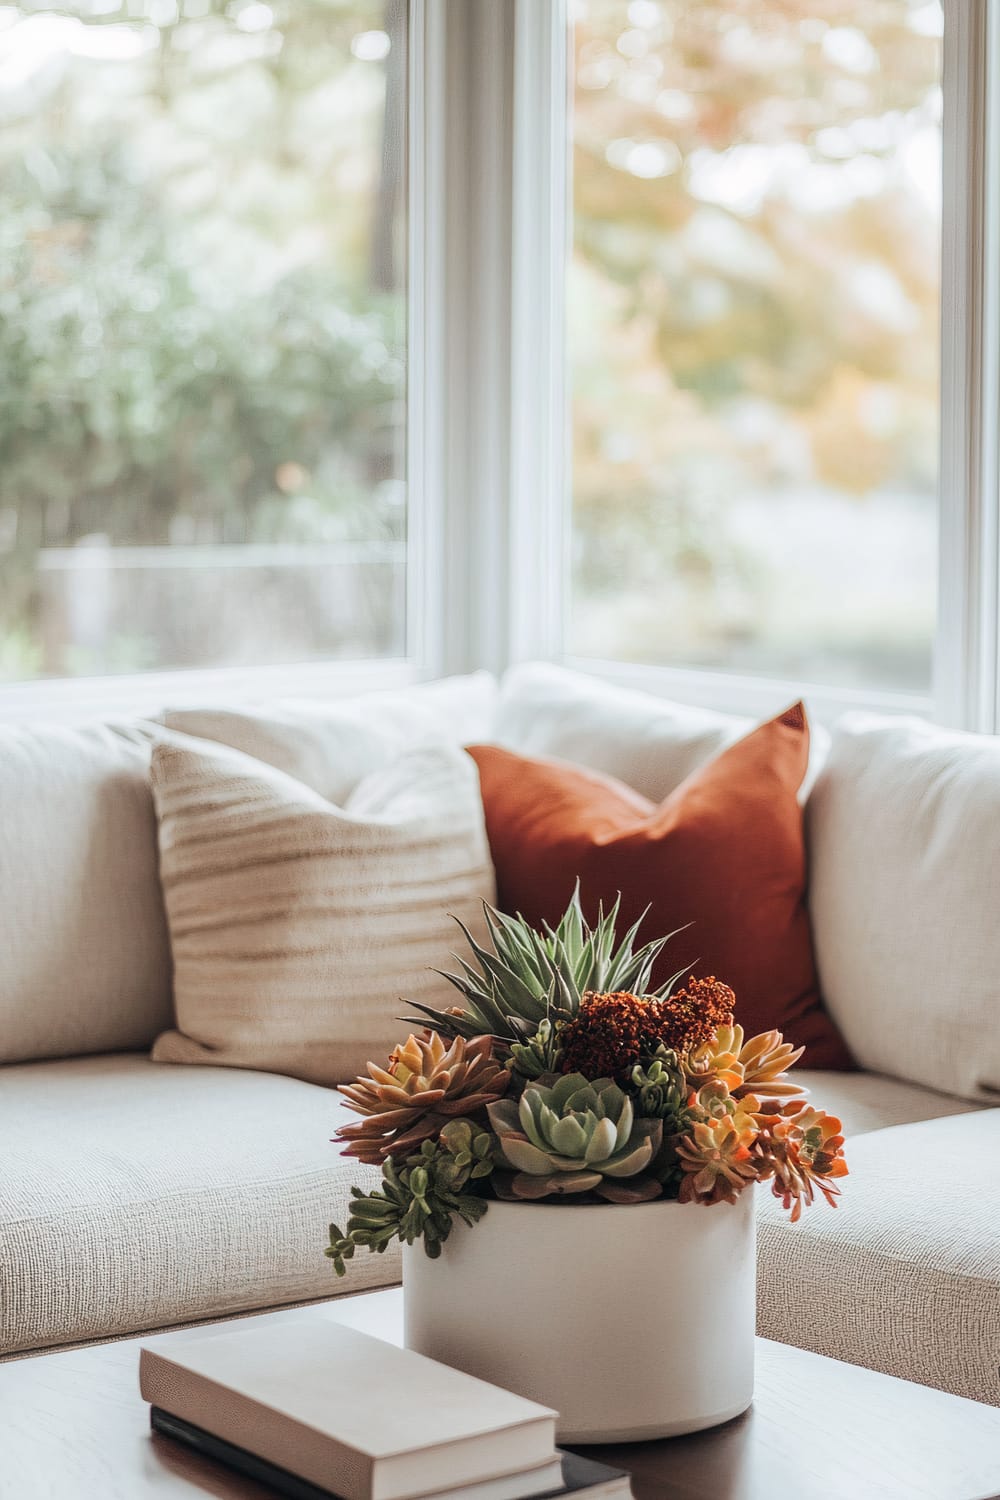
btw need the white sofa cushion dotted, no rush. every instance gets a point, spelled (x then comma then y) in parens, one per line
(299, 929)
(867, 1101)
(86, 964)
(904, 1276)
(650, 743)
(133, 1197)
(903, 828)
(331, 745)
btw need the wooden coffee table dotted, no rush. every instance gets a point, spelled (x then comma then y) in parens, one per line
(73, 1427)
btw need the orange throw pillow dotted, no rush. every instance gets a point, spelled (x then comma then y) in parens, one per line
(725, 852)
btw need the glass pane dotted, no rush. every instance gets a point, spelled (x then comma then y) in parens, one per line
(202, 333)
(754, 348)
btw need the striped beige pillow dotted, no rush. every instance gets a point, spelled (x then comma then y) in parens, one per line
(298, 927)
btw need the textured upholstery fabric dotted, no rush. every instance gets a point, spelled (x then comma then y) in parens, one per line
(331, 746)
(652, 744)
(85, 961)
(866, 1101)
(902, 827)
(296, 926)
(133, 1196)
(904, 1276)
(724, 853)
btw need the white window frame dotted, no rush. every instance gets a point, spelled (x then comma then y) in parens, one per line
(966, 666)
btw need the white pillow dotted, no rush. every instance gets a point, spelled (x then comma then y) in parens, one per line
(299, 929)
(650, 743)
(904, 838)
(331, 744)
(85, 963)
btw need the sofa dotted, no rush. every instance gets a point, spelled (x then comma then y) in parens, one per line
(136, 1195)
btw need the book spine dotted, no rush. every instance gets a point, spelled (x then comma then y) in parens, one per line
(219, 1451)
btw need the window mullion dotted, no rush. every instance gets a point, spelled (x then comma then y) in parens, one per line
(967, 660)
(426, 363)
(474, 106)
(539, 430)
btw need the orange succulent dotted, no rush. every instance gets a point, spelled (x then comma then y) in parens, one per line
(425, 1084)
(802, 1150)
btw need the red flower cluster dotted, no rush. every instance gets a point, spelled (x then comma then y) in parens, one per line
(608, 1036)
(694, 1014)
(612, 1033)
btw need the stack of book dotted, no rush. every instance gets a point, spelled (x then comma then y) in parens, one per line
(319, 1410)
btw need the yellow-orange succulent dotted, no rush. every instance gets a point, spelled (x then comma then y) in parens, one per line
(715, 1154)
(759, 1066)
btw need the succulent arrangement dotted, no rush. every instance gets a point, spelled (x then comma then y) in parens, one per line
(563, 1076)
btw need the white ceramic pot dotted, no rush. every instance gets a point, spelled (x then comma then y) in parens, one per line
(632, 1321)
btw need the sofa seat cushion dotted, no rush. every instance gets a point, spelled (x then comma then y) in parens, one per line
(133, 1196)
(869, 1101)
(904, 1276)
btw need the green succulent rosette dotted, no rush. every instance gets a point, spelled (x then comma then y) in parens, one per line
(574, 1136)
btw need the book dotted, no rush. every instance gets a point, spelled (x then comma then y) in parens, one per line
(568, 1474)
(346, 1412)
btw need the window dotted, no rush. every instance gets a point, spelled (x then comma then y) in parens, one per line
(753, 323)
(228, 229)
(202, 333)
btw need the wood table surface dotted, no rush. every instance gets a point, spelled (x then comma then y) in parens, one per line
(73, 1427)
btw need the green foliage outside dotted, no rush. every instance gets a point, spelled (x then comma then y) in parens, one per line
(202, 327)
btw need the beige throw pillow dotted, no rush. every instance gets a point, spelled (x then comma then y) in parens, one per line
(332, 745)
(299, 928)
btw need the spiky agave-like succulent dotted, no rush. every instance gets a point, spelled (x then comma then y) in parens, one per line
(575, 1137)
(532, 976)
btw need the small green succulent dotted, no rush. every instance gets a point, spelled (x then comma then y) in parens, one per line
(530, 976)
(575, 1137)
(539, 1055)
(661, 1092)
(419, 1198)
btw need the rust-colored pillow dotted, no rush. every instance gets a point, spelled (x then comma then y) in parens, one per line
(724, 852)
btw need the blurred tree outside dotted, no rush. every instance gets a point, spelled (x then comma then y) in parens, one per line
(202, 332)
(754, 298)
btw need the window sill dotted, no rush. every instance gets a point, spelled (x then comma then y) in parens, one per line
(756, 697)
(75, 699)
